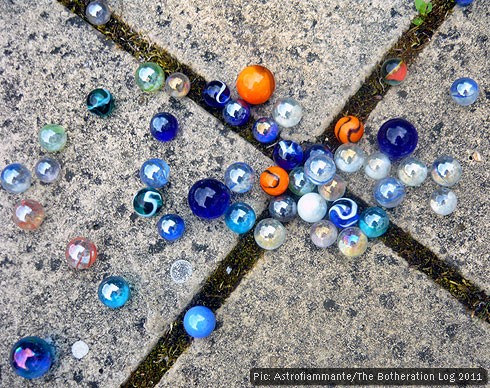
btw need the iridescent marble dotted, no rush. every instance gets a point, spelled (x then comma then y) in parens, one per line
(397, 138)
(352, 242)
(236, 112)
(389, 192)
(298, 184)
(288, 154)
(16, 178)
(177, 85)
(114, 292)
(209, 198)
(349, 157)
(52, 137)
(287, 112)
(464, 91)
(446, 171)
(323, 233)
(344, 212)
(155, 173)
(180, 271)
(199, 322)
(240, 217)
(171, 227)
(334, 189)
(47, 170)
(216, 94)
(81, 253)
(317, 149)
(443, 201)
(283, 208)
(100, 102)
(377, 166)
(269, 234)
(31, 357)
(28, 214)
(147, 202)
(265, 130)
(98, 12)
(412, 171)
(239, 177)
(320, 169)
(312, 207)
(149, 77)
(374, 222)
(164, 126)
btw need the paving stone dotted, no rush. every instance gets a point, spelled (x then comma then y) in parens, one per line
(319, 51)
(51, 60)
(306, 307)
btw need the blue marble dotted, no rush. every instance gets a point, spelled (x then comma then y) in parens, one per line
(283, 208)
(199, 322)
(240, 217)
(114, 291)
(320, 169)
(171, 227)
(47, 170)
(155, 173)
(147, 202)
(464, 91)
(298, 183)
(100, 102)
(374, 222)
(239, 177)
(318, 149)
(265, 130)
(31, 357)
(216, 94)
(389, 192)
(343, 213)
(236, 112)
(446, 171)
(397, 138)
(464, 3)
(164, 126)
(209, 198)
(16, 178)
(288, 154)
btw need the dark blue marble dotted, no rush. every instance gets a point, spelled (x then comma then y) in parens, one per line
(199, 321)
(164, 126)
(216, 94)
(209, 198)
(288, 154)
(464, 3)
(316, 149)
(236, 113)
(100, 102)
(171, 227)
(31, 357)
(397, 138)
(343, 213)
(265, 130)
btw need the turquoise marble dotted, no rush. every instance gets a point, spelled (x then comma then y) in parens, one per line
(374, 222)
(100, 102)
(147, 202)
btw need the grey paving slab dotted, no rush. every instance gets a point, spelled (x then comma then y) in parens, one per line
(460, 49)
(50, 61)
(306, 307)
(319, 51)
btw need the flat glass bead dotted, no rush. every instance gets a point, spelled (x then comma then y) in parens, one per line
(28, 214)
(100, 102)
(47, 170)
(31, 357)
(52, 137)
(180, 271)
(155, 173)
(209, 198)
(177, 85)
(147, 202)
(171, 227)
(240, 217)
(16, 178)
(81, 253)
(150, 77)
(114, 292)
(98, 12)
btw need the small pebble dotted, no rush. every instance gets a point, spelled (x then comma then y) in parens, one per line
(79, 349)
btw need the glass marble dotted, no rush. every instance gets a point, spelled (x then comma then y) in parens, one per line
(100, 102)
(352, 242)
(349, 157)
(236, 112)
(147, 202)
(389, 192)
(149, 77)
(283, 208)
(16, 178)
(209, 198)
(464, 91)
(443, 201)
(47, 170)
(298, 184)
(114, 292)
(377, 166)
(81, 253)
(320, 169)
(412, 171)
(98, 12)
(334, 189)
(323, 233)
(255, 84)
(28, 214)
(344, 212)
(164, 126)
(171, 227)
(446, 171)
(52, 137)
(287, 112)
(177, 85)
(394, 71)
(31, 357)
(274, 181)
(199, 322)
(312, 207)
(216, 94)
(397, 138)
(155, 173)
(180, 271)
(464, 3)
(265, 130)
(374, 222)
(288, 154)
(317, 149)
(349, 129)
(239, 177)
(269, 234)
(240, 217)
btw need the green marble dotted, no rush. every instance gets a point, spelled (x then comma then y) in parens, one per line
(52, 137)
(150, 77)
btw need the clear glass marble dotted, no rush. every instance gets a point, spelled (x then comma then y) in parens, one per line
(298, 184)
(16, 178)
(181, 271)
(52, 137)
(287, 112)
(389, 192)
(349, 157)
(81, 253)
(446, 171)
(464, 91)
(270, 234)
(352, 242)
(320, 169)
(312, 207)
(98, 12)
(28, 214)
(412, 171)
(323, 233)
(47, 170)
(377, 166)
(334, 189)
(443, 201)
(149, 77)
(155, 173)
(177, 85)
(239, 177)
(283, 208)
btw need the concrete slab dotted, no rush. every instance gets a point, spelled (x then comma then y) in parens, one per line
(320, 52)
(50, 61)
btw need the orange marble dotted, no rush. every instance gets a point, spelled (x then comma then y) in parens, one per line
(274, 181)
(255, 84)
(349, 129)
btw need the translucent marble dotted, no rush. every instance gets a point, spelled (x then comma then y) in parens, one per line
(177, 85)
(283, 208)
(240, 217)
(352, 242)
(16, 178)
(98, 12)
(180, 271)
(147, 202)
(114, 292)
(374, 222)
(81, 253)
(288, 154)
(164, 126)
(155, 173)
(269, 234)
(349, 157)
(199, 322)
(377, 166)
(320, 169)
(344, 212)
(446, 171)
(443, 201)
(287, 112)
(412, 171)
(265, 130)
(28, 214)
(312, 207)
(317, 149)
(323, 233)
(52, 137)
(209, 198)
(298, 184)
(216, 94)
(334, 189)
(47, 170)
(100, 102)
(31, 357)
(464, 91)
(236, 112)
(239, 177)
(149, 77)
(171, 227)
(397, 138)
(394, 71)
(389, 192)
